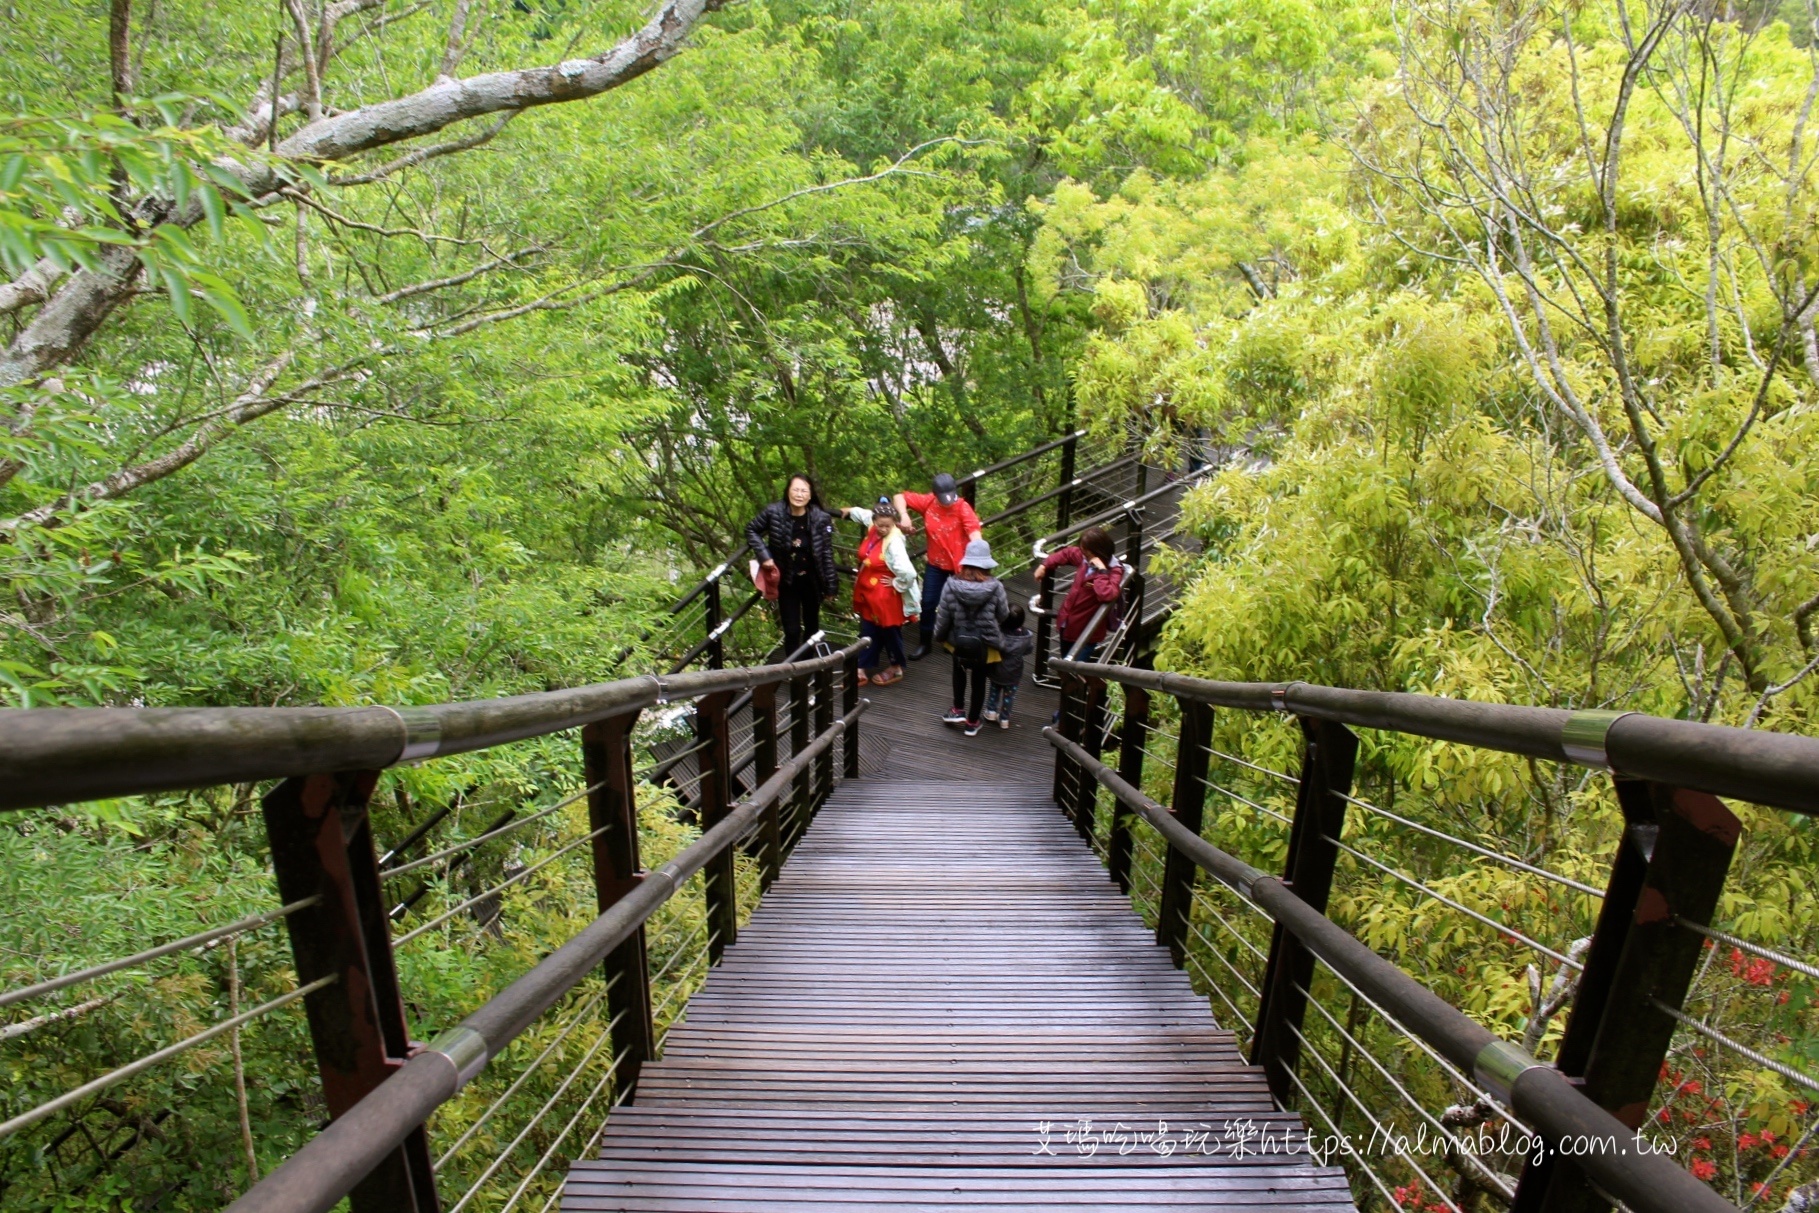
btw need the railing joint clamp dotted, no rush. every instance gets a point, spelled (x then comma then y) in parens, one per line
(422, 733)
(1499, 1064)
(1582, 737)
(465, 1049)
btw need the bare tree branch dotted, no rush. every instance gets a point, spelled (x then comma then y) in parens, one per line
(84, 303)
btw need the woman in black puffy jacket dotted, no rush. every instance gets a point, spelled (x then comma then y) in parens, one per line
(795, 536)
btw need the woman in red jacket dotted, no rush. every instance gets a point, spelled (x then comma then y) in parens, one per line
(1100, 580)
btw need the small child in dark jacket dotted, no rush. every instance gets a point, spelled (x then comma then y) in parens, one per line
(1001, 697)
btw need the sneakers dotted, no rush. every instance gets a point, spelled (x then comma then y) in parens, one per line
(972, 728)
(954, 716)
(1004, 722)
(991, 715)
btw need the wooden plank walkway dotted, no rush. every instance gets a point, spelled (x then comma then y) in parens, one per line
(943, 1004)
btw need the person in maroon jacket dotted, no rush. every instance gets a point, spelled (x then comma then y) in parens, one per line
(1100, 580)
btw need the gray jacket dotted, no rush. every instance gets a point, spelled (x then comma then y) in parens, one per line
(975, 607)
(1016, 646)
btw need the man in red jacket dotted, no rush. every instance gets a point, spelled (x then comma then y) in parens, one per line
(951, 524)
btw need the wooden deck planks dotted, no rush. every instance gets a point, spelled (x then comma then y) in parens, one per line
(944, 1004)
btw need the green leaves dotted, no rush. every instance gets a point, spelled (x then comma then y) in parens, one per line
(74, 188)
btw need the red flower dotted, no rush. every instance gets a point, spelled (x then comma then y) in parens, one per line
(1704, 1168)
(1778, 1152)
(1767, 1136)
(1761, 973)
(1702, 1143)
(1746, 1141)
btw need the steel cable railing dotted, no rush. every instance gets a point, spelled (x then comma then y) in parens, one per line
(57, 759)
(1502, 1082)
(328, 760)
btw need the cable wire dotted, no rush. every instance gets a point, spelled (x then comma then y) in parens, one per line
(1742, 945)
(1458, 1075)
(1388, 1077)
(524, 1076)
(1285, 820)
(1238, 1016)
(498, 888)
(543, 1161)
(1508, 932)
(489, 835)
(1518, 864)
(1713, 1034)
(199, 940)
(1200, 899)
(53, 1106)
(493, 1167)
(1376, 1124)
(1390, 1200)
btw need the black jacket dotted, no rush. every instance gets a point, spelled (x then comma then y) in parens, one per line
(1017, 645)
(771, 529)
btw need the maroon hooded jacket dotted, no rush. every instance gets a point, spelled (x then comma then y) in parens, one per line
(1090, 590)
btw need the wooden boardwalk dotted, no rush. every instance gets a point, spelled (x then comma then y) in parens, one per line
(943, 1004)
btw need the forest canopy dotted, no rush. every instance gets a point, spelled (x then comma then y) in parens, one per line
(401, 351)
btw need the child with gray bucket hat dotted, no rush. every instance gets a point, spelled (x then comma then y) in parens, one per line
(968, 623)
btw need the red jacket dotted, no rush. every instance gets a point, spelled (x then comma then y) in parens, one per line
(1090, 590)
(947, 526)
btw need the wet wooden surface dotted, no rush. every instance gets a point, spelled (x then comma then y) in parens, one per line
(945, 1004)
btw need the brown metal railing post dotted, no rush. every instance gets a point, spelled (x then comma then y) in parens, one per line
(606, 760)
(1329, 754)
(803, 784)
(849, 699)
(1064, 504)
(824, 720)
(1669, 870)
(764, 756)
(716, 644)
(1086, 790)
(1045, 623)
(1069, 725)
(322, 846)
(1186, 803)
(713, 736)
(1131, 736)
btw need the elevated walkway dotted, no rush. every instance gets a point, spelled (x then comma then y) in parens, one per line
(944, 1003)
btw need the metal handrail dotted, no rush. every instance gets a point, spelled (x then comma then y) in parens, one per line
(1040, 547)
(1778, 769)
(329, 1166)
(1542, 1096)
(67, 755)
(1034, 452)
(1081, 481)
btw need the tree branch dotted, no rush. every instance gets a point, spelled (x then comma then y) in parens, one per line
(250, 405)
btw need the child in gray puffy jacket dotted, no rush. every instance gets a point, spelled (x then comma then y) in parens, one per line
(1007, 674)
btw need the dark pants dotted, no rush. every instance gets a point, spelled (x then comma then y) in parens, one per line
(799, 604)
(934, 580)
(885, 642)
(974, 704)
